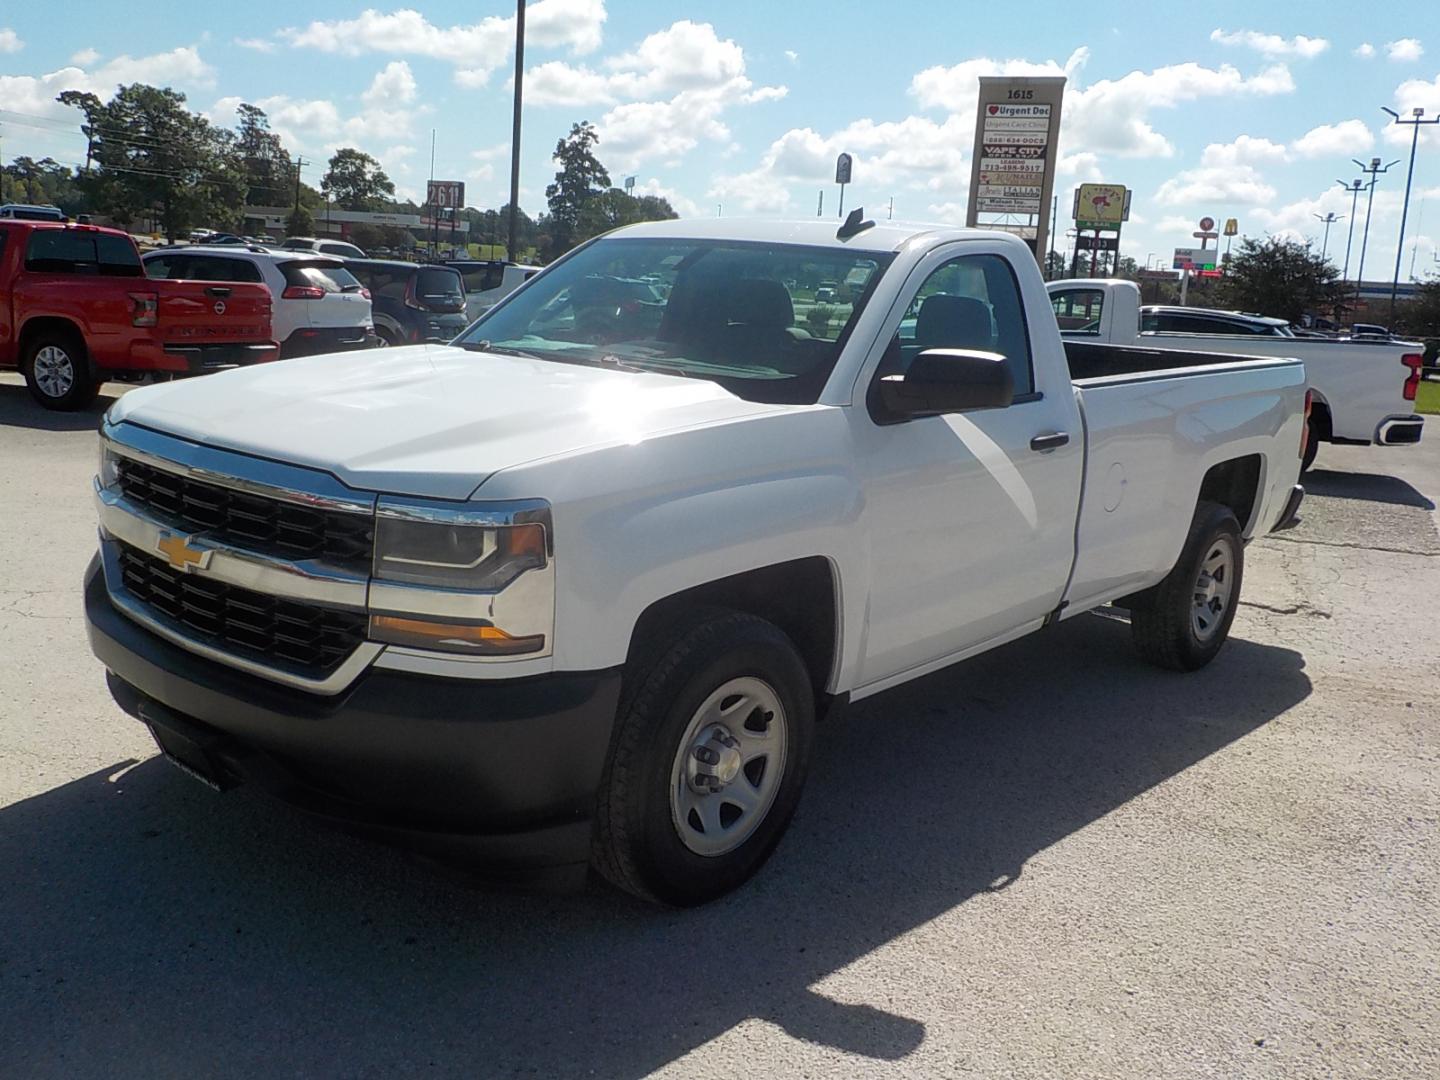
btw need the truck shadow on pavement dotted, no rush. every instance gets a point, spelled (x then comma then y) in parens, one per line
(19, 410)
(1371, 487)
(154, 929)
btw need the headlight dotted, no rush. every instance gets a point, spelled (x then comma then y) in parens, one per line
(108, 469)
(475, 580)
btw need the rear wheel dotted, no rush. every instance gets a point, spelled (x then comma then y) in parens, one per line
(1182, 622)
(57, 372)
(708, 761)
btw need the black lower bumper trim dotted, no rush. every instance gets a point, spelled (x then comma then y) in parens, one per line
(505, 772)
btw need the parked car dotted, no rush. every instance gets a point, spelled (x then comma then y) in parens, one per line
(76, 309)
(26, 212)
(487, 282)
(572, 591)
(324, 247)
(319, 306)
(1364, 391)
(412, 303)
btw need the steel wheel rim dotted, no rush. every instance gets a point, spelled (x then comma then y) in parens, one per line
(54, 371)
(1214, 586)
(728, 767)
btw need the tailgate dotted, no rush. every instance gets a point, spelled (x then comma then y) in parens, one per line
(192, 311)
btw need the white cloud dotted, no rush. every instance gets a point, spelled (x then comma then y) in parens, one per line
(475, 50)
(684, 206)
(1272, 44)
(1245, 150)
(1113, 115)
(1345, 139)
(558, 83)
(1411, 95)
(1213, 186)
(10, 41)
(792, 55)
(85, 57)
(393, 85)
(317, 126)
(262, 45)
(1364, 50)
(1404, 50)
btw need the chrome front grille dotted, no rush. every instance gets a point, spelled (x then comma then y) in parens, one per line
(305, 639)
(254, 522)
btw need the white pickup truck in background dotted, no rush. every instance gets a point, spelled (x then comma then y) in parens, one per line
(1363, 391)
(578, 587)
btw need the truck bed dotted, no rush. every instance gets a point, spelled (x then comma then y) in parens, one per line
(1096, 360)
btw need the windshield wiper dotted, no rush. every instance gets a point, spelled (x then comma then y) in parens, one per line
(502, 350)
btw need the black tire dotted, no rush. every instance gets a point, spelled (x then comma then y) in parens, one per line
(51, 386)
(1163, 618)
(384, 339)
(1312, 447)
(637, 842)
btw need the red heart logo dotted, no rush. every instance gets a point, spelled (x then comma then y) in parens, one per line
(994, 109)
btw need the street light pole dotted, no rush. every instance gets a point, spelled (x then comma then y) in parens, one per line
(1375, 171)
(512, 247)
(1329, 219)
(1354, 191)
(1416, 119)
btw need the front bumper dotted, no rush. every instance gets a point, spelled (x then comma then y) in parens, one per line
(502, 771)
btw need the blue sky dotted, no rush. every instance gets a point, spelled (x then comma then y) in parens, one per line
(1233, 110)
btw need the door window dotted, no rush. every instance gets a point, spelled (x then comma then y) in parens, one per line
(972, 302)
(216, 268)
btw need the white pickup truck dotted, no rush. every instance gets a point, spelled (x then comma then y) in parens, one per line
(1363, 391)
(580, 586)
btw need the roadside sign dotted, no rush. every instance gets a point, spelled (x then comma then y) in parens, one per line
(1097, 243)
(1206, 224)
(843, 164)
(1194, 259)
(1232, 227)
(1012, 172)
(1205, 235)
(1101, 206)
(445, 194)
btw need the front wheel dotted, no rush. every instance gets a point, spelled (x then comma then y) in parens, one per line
(708, 760)
(58, 374)
(1182, 622)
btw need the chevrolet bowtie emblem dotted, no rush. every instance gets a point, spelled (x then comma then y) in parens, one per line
(180, 555)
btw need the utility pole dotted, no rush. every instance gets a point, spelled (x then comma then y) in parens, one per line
(820, 204)
(1354, 190)
(890, 216)
(1417, 118)
(1054, 216)
(300, 163)
(1375, 171)
(1329, 219)
(512, 249)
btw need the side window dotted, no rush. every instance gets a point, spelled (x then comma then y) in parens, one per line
(1077, 311)
(158, 268)
(971, 302)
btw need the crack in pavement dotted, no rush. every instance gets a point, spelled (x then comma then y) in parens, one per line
(1361, 547)
(1300, 608)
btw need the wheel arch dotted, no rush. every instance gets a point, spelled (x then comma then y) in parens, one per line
(1322, 422)
(55, 324)
(800, 596)
(1235, 484)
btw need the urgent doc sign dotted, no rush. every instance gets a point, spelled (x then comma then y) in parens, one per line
(1012, 171)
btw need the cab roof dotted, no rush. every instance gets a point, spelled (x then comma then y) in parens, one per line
(812, 232)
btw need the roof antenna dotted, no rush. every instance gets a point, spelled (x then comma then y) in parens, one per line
(854, 225)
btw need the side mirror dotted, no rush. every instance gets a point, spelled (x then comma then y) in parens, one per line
(947, 381)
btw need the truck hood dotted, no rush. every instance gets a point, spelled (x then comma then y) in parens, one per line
(428, 420)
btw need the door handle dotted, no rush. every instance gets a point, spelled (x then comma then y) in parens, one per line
(1052, 441)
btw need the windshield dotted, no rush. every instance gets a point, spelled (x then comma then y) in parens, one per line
(750, 316)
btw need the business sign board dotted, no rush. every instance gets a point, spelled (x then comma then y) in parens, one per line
(1195, 260)
(1232, 227)
(843, 166)
(1101, 206)
(445, 194)
(1012, 171)
(1097, 243)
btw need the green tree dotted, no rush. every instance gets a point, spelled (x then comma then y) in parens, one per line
(1419, 317)
(269, 172)
(154, 158)
(355, 181)
(611, 209)
(579, 178)
(1280, 278)
(299, 223)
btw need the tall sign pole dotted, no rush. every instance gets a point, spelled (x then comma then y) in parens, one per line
(1012, 165)
(1375, 171)
(512, 248)
(1350, 236)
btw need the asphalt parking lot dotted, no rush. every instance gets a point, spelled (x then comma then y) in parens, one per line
(1050, 861)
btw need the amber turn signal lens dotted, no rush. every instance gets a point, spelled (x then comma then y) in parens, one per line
(453, 637)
